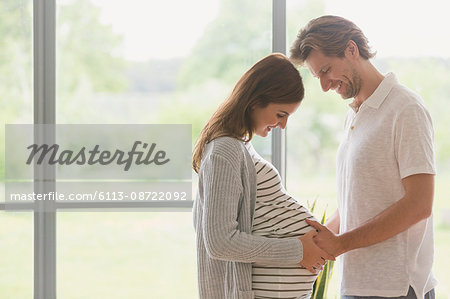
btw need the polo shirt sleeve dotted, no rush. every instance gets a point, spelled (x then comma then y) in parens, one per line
(414, 141)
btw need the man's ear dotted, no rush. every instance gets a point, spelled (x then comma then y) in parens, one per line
(352, 49)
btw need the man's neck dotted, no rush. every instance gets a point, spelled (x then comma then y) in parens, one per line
(371, 78)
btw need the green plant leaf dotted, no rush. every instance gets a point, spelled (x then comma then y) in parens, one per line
(320, 287)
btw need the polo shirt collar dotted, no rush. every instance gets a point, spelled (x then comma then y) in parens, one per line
(379, 95)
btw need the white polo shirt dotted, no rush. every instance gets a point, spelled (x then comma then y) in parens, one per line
(388, 139)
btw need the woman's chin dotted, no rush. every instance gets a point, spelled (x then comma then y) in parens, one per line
(262, 134)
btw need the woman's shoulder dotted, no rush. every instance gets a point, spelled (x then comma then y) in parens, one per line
(227, 147)
(227, 141)
(229, 152)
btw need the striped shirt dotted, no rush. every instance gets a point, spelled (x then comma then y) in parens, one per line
(278, 215)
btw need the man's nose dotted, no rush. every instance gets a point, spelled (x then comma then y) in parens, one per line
(325, 83)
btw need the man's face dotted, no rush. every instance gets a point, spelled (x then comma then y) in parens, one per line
(338, 74)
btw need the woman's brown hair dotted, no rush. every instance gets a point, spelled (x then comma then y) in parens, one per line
(273, 79)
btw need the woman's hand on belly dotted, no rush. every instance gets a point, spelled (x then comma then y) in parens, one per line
(313, 257)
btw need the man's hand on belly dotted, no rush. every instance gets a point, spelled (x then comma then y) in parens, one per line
(326, 239)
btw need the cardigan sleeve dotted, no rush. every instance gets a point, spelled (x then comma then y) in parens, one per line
(222, 192)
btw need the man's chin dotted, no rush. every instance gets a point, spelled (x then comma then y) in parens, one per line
(345, 96)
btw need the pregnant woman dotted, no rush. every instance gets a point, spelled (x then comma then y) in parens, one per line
(252, 238)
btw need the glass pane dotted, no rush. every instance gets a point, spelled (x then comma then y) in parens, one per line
(411, 46)
(126, 255)
(128, 62)
(146, 62)
(16, 102)
(16, 259)
(16, 67)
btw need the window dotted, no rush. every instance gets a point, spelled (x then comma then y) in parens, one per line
(144, 62)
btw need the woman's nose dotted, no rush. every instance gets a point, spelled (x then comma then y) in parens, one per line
(282, 123)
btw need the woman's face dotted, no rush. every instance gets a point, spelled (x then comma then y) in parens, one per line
(271, 116)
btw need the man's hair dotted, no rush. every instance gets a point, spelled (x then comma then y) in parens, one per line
(329, 35)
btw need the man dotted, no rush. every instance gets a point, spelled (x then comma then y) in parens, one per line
(385, 169)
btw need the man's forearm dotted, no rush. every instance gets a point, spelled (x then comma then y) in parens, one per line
(387, 224)
(414, 207)
(333, 222)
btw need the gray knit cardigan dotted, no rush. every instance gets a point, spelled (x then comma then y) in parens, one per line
(223, 216)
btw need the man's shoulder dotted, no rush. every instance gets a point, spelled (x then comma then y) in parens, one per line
(402, 97)
(402, 91)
